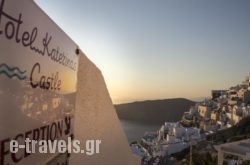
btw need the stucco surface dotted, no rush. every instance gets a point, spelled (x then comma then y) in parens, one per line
(96, 119)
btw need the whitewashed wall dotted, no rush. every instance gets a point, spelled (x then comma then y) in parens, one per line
(96, 119)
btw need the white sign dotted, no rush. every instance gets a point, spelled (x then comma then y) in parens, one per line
(38, 77)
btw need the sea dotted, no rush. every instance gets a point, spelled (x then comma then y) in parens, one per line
(135, 130)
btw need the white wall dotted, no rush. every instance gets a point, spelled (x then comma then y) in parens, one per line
(96, 119)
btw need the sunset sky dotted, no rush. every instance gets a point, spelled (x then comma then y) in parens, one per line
(155, 49)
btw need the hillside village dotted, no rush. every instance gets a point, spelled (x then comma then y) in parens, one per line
(224, 110)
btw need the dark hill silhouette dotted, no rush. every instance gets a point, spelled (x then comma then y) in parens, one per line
(154, 111)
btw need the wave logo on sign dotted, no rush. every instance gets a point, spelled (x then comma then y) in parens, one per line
(12, 72)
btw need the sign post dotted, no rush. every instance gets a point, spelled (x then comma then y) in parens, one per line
(38, 78)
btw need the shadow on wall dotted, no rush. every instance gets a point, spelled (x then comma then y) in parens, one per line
(96, 119)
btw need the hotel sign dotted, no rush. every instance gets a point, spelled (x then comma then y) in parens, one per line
(38, 77)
